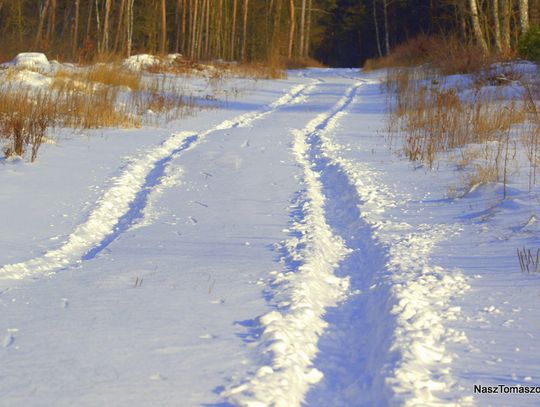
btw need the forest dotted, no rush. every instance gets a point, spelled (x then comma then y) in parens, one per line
(333, 32)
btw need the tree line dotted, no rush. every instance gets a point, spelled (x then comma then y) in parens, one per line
(199, 29)
(336, 32)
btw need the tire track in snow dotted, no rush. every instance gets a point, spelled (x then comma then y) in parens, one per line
(291, 332)
(122, 204)
(415, 369)
(418, 364)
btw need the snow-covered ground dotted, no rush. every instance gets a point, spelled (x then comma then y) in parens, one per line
(271, 252)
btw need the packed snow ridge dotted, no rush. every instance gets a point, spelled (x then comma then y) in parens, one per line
(291, 332)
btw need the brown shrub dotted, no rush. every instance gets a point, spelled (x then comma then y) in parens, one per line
(448, 55)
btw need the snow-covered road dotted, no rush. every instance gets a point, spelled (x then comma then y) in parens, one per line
(271, 253)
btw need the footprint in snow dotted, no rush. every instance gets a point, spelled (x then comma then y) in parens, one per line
(8, 341)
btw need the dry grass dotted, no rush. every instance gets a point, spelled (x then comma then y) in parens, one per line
(24, 119)
(482, 174)
(217, 70)
(446, 54)
(113, 75)
(102, 96)
(301, 63)
(434, 118)
(476, 125)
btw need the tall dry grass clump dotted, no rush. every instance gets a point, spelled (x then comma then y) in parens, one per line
(24, 119)
(112, 75)
(448, 55)
(84, 98)
(489, 109)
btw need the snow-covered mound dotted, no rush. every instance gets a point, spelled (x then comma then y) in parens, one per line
(140, 62)
(30, 60)
(171, 62)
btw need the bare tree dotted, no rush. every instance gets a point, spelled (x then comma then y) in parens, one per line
(477, 29)
(497, 26)
(105, 40)
(98, 23)
(302, 26)
(534, 12)
(524, 15)
(207, 30)
(377, 35)
(218, 30)
(386, 29)
(244, 29)
(308, 30)
(163, 39)
(120, 25)
(194, 29)
(52, 22)
(129, 26)
(233, 30)
(291, 29)
(75, 36)
(42, 14)
(505, 11)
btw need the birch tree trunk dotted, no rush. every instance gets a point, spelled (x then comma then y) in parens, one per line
(524, 15)
(477, 29)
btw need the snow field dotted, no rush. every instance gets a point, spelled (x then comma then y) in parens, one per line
(118, 201)
(284, 257)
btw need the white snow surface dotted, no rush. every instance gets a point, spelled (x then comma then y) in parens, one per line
(275, 251)
(30, 60)
(140, 62)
